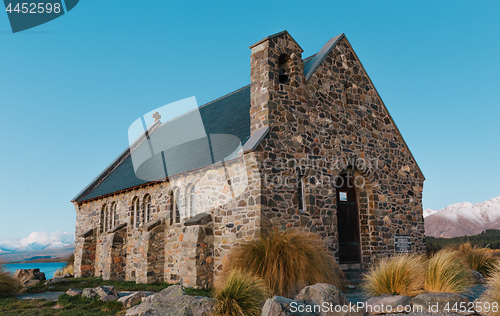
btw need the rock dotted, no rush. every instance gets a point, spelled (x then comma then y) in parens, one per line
(477, 277)
(73, 292)
(103, 291)
(89, 293)
(31, 283)
(55, 280)
(386, 304)
(25, 275)
(109, 298)
(132, 299)
(67, 275)
(282, 306)
(327, 300)
(437, 302)
(173, 301)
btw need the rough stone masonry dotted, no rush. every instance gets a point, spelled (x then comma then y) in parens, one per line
(319, 152)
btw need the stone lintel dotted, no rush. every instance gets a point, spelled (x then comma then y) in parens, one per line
(117, 228)
(149, 226)
(88, 233)
(200, 219)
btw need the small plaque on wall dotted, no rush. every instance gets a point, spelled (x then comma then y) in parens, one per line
(402, 243)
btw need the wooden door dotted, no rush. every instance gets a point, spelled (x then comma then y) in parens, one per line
(348, 221)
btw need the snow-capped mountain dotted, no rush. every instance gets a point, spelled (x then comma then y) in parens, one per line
(463, 219)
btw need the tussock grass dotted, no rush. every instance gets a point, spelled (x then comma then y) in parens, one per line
(446, 272)
(8, 285)
(240, 294)
(287, 261)
(477, 258)
(399, 275)
(492, 293)
(67, 269)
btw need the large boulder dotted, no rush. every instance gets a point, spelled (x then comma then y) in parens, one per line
(107, 293)
(132, 299)
(173, 301)
(282, 306)
(73, 292)
(55, 280)
(89, 293)
(440, 302)
(327, 300)
(26, 275)
(386, 304)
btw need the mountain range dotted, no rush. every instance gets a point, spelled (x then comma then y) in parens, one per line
(27, 253)
(463, 219)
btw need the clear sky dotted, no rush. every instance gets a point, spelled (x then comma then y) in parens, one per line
(69, 89)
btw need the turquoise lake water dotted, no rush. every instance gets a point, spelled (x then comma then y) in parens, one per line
(48, 268)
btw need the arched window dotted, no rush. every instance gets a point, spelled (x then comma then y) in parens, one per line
(114, 216)
(172, 207)
(191, 193)
(147, 208)
(301, 191)
(177, 205)
(105, 212)
(135, 213)
(102, 226)
(284, 64)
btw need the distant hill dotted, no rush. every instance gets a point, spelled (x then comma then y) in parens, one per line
(463, 219)
(32, 254)
(490, 238)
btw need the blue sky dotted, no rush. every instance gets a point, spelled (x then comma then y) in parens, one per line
(69, 89)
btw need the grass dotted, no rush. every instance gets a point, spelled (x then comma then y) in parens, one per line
(399, 275)
(8, 285)
(82, 283)
(492, 293)
(67, 269)
(66, 306)
(79, 306)
(240, 295)
(477, 258)
(286, 261)
(446, 272)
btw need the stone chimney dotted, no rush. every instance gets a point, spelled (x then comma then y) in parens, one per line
(276, 72)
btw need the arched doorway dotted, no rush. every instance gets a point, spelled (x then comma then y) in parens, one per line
(348, 220)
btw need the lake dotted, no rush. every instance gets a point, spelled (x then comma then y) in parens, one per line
(48, 268)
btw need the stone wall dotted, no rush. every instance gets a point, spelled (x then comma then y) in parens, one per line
(332, 123)
(328, 125)
(159, 250)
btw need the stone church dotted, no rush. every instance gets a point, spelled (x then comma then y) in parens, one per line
(317, 150)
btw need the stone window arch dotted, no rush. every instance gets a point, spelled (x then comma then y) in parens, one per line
(147, 208)
(191, 199)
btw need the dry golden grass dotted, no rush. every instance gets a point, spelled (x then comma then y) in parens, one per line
(287, 261)
(67, 269)
(446, 272)
(477, 258)
(492, 293)
(399, 275)
(8, 285)
(240, 295)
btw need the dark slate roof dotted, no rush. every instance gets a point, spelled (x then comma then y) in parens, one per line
(311, 67)
(228, 115)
